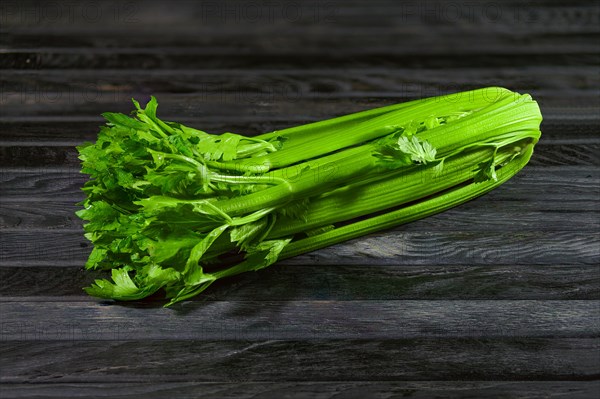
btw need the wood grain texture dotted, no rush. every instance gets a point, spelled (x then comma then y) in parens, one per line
(391, 247)
(273, 89)
(295, 320)
(151, 58)
(525, 359)
(308, 390)
(379, 80)
(338, 282)
(156, 14)
(266, 105)
(497, 298)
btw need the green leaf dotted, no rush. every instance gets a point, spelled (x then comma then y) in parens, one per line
(147, 136)
(389, 157)
(181, 144)
(119, 119)
(265, 253)
(122, 286)
(487, 171)
(431, 122)
(201, 281)
(244, 234)
(101, 216)
(150, 279)
(411, 129)
(153, 277)
(96, 257)
(151, 107)
(162, 249)
(419, 151)
(194, 278)
(200, 249)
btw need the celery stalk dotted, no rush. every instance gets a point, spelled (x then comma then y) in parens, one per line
(165, 200)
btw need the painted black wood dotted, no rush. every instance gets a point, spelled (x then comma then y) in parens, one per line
(497, 298)
(339, 282)
(295, 320)
(317, 360)
(316, 390)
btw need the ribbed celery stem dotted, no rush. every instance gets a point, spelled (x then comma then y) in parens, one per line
(297, 148)
(410, 213)
(359, 200)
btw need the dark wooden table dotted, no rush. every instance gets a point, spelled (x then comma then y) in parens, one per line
(496, 298)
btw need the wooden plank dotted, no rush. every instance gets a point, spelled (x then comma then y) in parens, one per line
(299, 320)
(370, 29)
(315, 390)
(483, 359)
(339, 283)
(556, 183)
(49, 216)
(121, 85)
(153, 58)
(503, 288)
(543, 16)
(393, 247)
(48, 156)
(541, 48)
(41, 183)
(280, 41)
(476, 248)
(546, 154)
(174, 106)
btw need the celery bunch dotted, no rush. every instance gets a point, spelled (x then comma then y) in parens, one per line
(172, 207)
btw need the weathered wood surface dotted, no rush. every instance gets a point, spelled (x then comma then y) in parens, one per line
(396, 247)
(294, 320)
(340, 282)
(497, 298)
(315, 390)
(241, 360)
